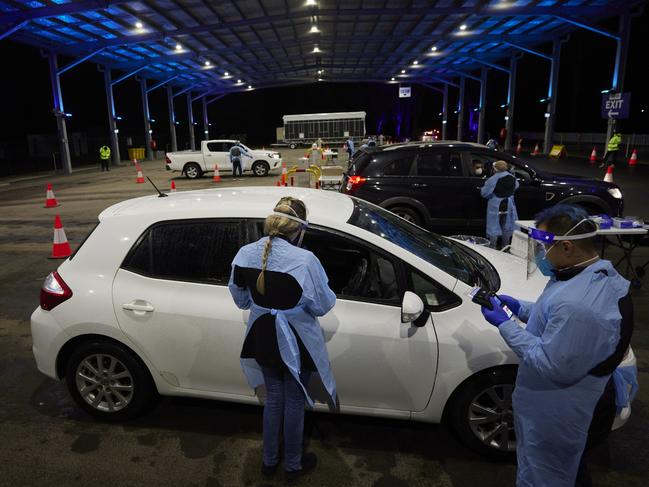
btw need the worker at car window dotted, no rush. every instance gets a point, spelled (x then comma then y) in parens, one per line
(499, 190)
(237, 151)
(571, 340)
(286, 289)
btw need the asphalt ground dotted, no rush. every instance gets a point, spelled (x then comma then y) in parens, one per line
(45, 440)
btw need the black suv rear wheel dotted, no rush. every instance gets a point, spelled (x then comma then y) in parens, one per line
(408, 214)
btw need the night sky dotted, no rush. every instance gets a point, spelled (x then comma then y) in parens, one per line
(586, 68)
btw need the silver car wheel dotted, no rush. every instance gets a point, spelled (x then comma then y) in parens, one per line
(191, 172)
(104, 382)
(491, 417)
(260, 169)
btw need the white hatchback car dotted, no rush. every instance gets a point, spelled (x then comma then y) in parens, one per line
(143, 307)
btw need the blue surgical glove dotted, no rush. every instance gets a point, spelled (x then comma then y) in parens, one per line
(496, 316)
(513, 304)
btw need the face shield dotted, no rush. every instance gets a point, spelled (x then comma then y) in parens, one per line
(304, 224)
(541, 242)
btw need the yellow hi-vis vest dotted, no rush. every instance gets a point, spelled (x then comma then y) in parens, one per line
(104, 152)
(614, 143)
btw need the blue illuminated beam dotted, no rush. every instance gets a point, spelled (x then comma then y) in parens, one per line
(528, 50)
(10, 30)
(127, 75)
(55, 10)
(590, 27)
(161, 84)
(78, 61)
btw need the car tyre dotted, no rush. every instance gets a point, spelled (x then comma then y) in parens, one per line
(109, 382)
(480, 413)
(193, 171)
(408, 214)
(260, 169)
(292, 146)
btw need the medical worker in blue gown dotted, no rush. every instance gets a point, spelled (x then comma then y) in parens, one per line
(570, 343)
(499, 191)
(286, 289)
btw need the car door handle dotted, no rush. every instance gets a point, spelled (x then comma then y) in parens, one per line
(419, 185)
(208, 155)
(142, 308)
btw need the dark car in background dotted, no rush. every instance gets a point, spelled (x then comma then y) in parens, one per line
(437, 185)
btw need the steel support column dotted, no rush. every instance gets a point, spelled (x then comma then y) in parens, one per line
(552, 96)
(483, 103)
(619, 71)
(511, 96)
(147, 119)
(172, 119)
(190, 118)
(112, 120)
(461, 110)
(59, 113)
(445, 113)
(206, 120)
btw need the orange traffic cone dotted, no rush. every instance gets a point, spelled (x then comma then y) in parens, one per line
(140, 176)
(593, 156)
(134, 161)
(217, 175)
(608, 177)
(519, 147)
(537, 151)
(278, 184)
(633, 161)
(173, 187)
(50, 200)
(60, 247)
(284, 173)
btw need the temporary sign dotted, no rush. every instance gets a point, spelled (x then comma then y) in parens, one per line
(616, 105)
(404, 91)
(558, 151)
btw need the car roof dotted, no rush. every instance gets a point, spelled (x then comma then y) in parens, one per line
(323, 207)
(435, 143)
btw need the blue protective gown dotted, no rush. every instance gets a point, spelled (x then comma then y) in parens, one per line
(350, 147)
(494, 229)
(574, 325)
(317, 300)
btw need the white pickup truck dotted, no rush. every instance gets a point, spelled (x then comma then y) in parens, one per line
(195, 163)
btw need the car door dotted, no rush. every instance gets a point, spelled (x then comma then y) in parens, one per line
(438, 181)
(528, 196)
(224, 155)
(171, 299)
(378, 362)
(212, 155)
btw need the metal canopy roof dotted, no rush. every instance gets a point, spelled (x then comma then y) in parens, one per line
(266, 43)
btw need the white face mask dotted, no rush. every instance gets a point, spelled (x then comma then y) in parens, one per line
(478, 171)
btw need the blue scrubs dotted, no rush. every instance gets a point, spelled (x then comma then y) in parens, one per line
(574, 325)
(494, 229)
(317, 300)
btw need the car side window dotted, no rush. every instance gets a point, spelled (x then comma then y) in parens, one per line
(485, 161)
(438, 163)
(189, 250)
(214, 147)
(227, 146)
(355, 271)
(398, 167)
(435, 296)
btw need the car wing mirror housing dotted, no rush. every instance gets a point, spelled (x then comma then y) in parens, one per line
(412, 310)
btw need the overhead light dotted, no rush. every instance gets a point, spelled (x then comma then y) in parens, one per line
(311, 3)
(207, 63)
(415, 62)
(463, 27)
(403, 71)
(605, 91)
(250, 87)
(506, 117)
(226, 74)
(503, 105)
(139, 25)
(316, 49)
(440, 114)
(391, 79)
(434, 48)
(239, 81)
(319, 79)
(179, 47)
(314, 29)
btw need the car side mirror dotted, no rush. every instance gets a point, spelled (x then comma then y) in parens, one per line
(412, 307)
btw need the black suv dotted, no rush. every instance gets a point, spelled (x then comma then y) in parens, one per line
(437, 185)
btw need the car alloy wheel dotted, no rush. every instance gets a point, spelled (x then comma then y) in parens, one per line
(192, 171)
(104, 382)
(260, 169)
(491, 418)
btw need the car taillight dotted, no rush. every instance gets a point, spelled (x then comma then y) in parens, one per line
(354, 182)
(167, 161)
(54, 291)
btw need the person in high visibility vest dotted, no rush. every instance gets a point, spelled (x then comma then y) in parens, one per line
(104, 155)
(612, 149)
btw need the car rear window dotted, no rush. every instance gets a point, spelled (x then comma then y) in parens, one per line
(190, 250)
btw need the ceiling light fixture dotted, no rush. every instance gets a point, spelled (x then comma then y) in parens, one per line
(311, 3)
(179, 47)
(316, 49)
(403, 71)
(207, 63)
(415, 62)
(434, 48)
(314, 29)
(391, 79)
(139, 25)
(463, 27)
(226, 74)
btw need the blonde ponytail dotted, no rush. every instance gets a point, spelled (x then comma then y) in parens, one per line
(261, 281)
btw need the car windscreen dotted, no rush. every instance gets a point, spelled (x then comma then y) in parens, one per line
(451, 257)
